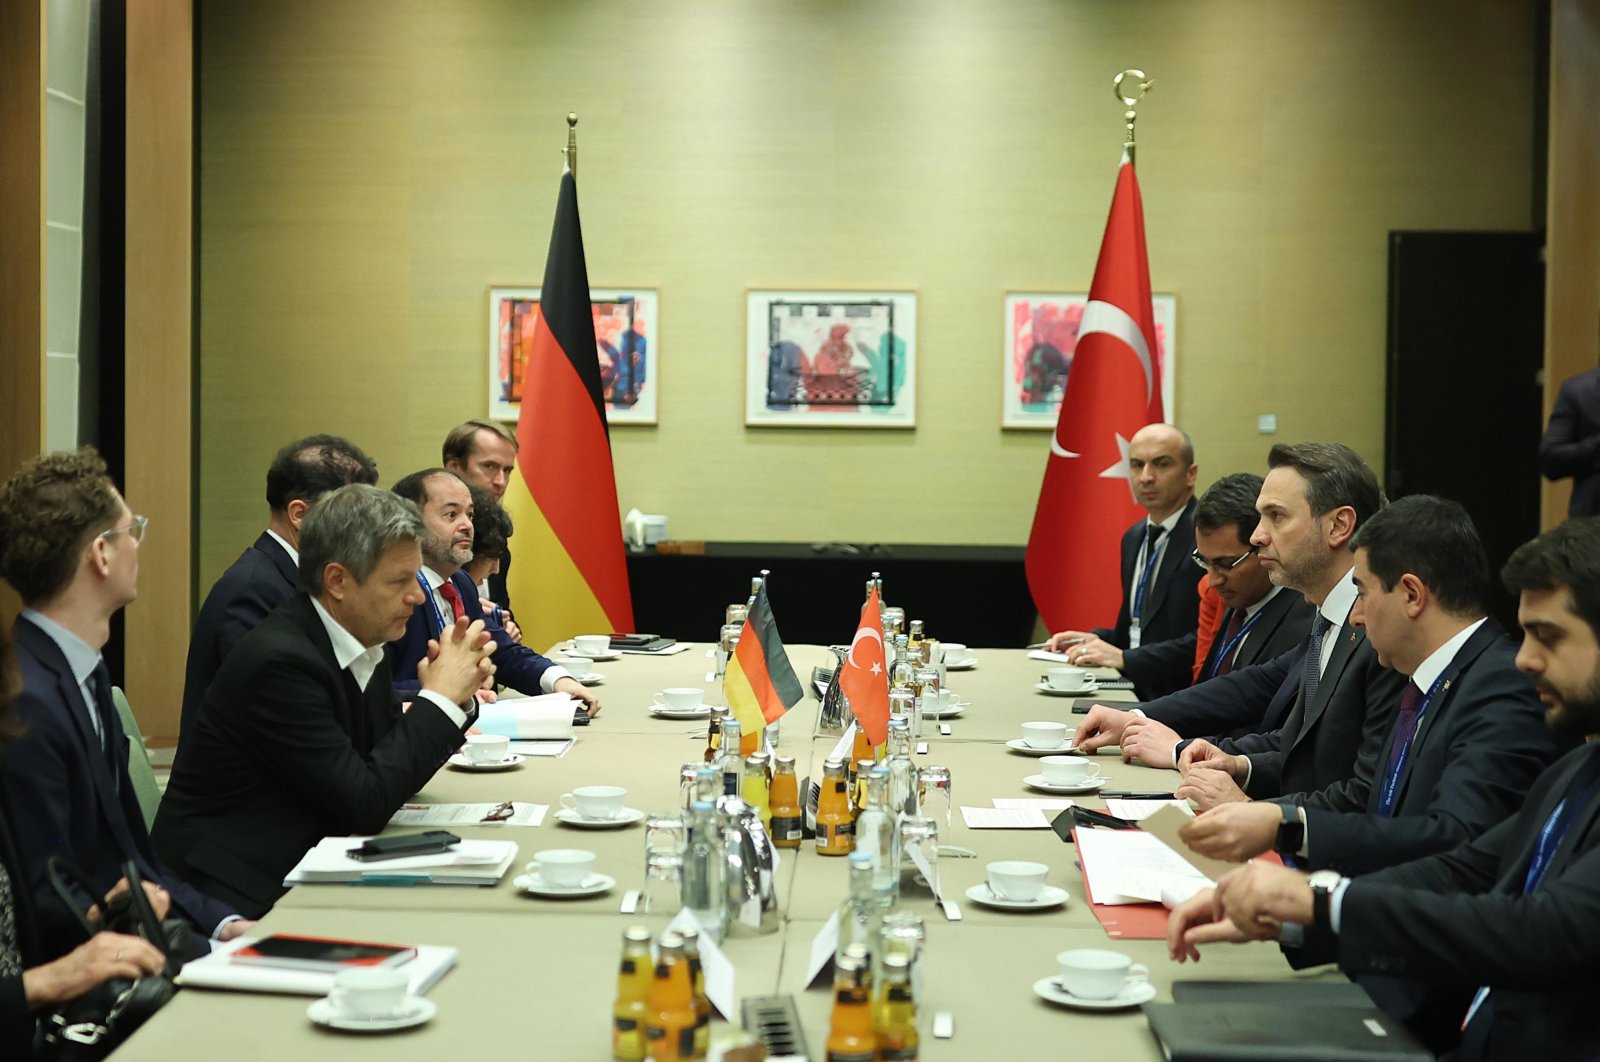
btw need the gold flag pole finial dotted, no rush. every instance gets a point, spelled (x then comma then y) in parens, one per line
(570, 152)
(1131, 102)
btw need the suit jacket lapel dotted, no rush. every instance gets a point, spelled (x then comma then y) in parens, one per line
(280, 559)
(1350, 639)
(1272, 614)
(1465, 657)
(1171, 557)
(1577, 833)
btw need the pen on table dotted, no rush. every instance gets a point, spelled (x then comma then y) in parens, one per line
(1128, 794)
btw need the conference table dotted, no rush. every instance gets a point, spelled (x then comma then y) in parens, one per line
(536, 977)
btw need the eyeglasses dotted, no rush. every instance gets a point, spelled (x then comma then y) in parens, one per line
(1221, 566)
(500, 813)
(135, 529)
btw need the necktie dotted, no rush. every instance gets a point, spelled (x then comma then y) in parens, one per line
(1313, 665)
(1152, 533)
(1405, 726)
(100, 685)
(452, 595)
(1228, 650)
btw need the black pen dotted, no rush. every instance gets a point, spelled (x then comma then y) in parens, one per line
(1130, 795)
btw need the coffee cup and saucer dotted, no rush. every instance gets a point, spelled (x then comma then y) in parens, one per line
(371, 1000)
(564, 873)
(580, 668)
(595, 647)
(957, 658)
(1066, 774)
(486, 752)
(1043, 737)
(680, 702)
(1097, 979)
(1017, 885)
(597, 807)
(1068, 682)
(950, 705)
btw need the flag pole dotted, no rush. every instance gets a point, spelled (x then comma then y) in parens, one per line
(570, 152)
(1130, 102)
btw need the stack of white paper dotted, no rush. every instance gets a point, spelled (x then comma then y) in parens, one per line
(548, 717)
(218, 970)
(1130, 866)
(471, 862)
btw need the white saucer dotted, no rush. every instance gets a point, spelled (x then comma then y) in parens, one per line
(951, 712)
(1045, 687)
(599, 658)
(460, 761)
(1132, 995)
(1036, 781)
(593, 678)
(661, 711)
(966, 663)
(417, 1010)
(534, 885)
(1048, 897)
(625, 817)
(1018, 745)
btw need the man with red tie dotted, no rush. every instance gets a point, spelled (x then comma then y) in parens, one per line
(446, 507)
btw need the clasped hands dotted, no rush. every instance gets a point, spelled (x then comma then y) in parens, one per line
(1251, 903)
(458, 661)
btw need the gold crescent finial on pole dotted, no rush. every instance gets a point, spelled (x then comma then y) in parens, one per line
(1131, 102)
(570, 152)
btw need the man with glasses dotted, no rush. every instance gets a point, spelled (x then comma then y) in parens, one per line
(1260, 620)
(1318, 715)
(69, 545)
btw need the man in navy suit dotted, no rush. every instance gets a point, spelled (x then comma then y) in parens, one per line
(69, 545)
(265, 575)
(1161, 600)
(446, 507)
(484, 454)
(1571, 443)
(1506, 925)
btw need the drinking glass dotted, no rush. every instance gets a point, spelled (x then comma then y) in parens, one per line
(666, 836)
(935, 779)
(920, 834)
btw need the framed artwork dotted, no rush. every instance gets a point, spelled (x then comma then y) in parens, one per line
(1041, 334)
(831, 359)
(626, 341)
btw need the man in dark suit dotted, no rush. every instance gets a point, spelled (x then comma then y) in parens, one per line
(1320, 712)
(1260, 620)
(1505, 925)
(484, 454)
(1571, 442)
(1160, 599)
(302, 737)
(446, 507)
(265, 575)
(69, 545)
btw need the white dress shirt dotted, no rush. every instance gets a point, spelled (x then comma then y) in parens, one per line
(361, 661)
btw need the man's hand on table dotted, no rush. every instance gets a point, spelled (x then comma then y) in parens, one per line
(1202, 753)
(1259, 898)
(237, 928)
(1234, 832)
(1209, 787)
(1060, 643)
(1092, 652)
(458, 662)
(573, 688)
(1101, 727)
(1199, 920)
(1146, 741)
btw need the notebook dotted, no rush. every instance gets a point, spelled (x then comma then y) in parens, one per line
(1280, 1032)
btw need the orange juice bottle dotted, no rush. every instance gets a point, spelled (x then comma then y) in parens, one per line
(862, 749)
(835, 826)
(633, 990)
(785, 800)
(670, 1022)
(895, 1016)
(850, 1034)
(697, 983)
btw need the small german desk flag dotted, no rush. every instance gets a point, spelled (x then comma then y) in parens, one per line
(759, 684)
(571, 575)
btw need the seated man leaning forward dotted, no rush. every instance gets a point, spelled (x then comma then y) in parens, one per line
(447, 511)
(302, 737)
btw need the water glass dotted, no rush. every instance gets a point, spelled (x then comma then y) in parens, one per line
(935, 779)
(920, 834)
(663, 884)
(666, 832)
(904, 933)
(686, 790)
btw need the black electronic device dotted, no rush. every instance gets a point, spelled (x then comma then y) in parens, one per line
(404, 846)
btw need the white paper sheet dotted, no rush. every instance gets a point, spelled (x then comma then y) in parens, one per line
(543, 748)
(1004, 818)
(845, 745)
(823, 945)
(1164, 826)
(468, 815)
(1115, 859)
(1136, 810)
(546, 717)
(1038, 803)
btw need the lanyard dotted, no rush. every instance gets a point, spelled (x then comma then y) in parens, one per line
(1554, 832)
(1391, 784)
(433, 603)
(1152, 548)
(1233, 643)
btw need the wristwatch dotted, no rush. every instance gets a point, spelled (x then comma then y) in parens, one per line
(1291, 832)
(1323, 882)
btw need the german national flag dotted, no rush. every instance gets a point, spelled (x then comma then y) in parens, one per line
(571, 576)
(760, 685)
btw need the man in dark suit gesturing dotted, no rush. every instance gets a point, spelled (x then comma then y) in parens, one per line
(1571, 442)
(301, 736)
(1507, 923)
(1160, 600)
(265, 575)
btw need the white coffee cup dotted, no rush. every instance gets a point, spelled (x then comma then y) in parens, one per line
(487, 748)
(592, 645)
(954, 653)
(595, 801)
(1068, 770)
(368, 992)
(1044, 734)
(1069, 679)
(680, 698)
(565, 868)
(1016, 879)
(949, 698)
(1092, 973)
(579, 666)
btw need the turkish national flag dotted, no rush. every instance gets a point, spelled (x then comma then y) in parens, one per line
(1113, 390)
(865, 678)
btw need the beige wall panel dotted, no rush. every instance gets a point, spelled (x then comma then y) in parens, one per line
(370, 169)
(1572, 258)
